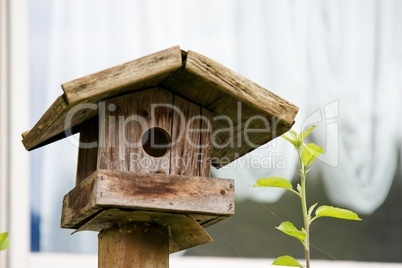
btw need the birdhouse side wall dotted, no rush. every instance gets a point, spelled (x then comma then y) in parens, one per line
(88, 150)
(191, 139)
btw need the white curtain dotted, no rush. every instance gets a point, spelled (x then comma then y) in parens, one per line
(339, 61)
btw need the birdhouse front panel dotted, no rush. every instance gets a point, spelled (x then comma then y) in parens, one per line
(130, 129)
(154, 131)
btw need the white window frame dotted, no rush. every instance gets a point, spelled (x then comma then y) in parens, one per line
(3, 125)
(14, 209)
(14, 112)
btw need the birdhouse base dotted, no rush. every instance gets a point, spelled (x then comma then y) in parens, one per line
(184, 205)
(183, 231)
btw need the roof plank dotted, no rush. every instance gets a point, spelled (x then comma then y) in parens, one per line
(146, 71)
(40, 131)
(240, 87)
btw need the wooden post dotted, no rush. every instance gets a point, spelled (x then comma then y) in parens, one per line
(134, 246)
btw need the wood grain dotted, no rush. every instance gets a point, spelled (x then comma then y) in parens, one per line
(123, 123)
(87, 162)
(78, 204)
(38, 134)
(146, 71)
(132, 246)
(181, 194)
(240, 87)
(205, 150)
(144, 191)
(189, 134)
(186, 138)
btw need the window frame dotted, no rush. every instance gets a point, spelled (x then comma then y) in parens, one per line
(14, 89)
(3, 124)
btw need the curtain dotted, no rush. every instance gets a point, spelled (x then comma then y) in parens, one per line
(339, 61)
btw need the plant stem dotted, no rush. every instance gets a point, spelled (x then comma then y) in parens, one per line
(306, 217)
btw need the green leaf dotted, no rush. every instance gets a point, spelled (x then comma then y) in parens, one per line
(310, 210)
(287, 260)
(274, 182)
(4, 241)
(305, 133)
(310, 152)
(289, 229)
(334, 212)
(293, 134)
(295, 141)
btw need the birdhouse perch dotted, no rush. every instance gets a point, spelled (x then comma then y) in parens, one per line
(150, 129)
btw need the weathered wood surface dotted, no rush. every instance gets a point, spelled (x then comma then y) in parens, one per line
(87, 162)
(182, 194)
(141, 73)
(191, 76)
(240, 88)
(190, 152)
(184, 232)
(123, 122)
(133, 246)
(144, 191)
(48, 125)
(187, 125)
(79, 203)
(205, 152)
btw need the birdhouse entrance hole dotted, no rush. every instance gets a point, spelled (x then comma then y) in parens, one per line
(156, 142)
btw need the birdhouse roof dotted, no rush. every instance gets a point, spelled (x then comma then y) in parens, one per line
(189, 75)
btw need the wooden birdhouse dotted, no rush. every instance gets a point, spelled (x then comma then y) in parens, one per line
(150, 129)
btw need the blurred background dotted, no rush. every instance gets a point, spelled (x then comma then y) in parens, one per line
(339, 61)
